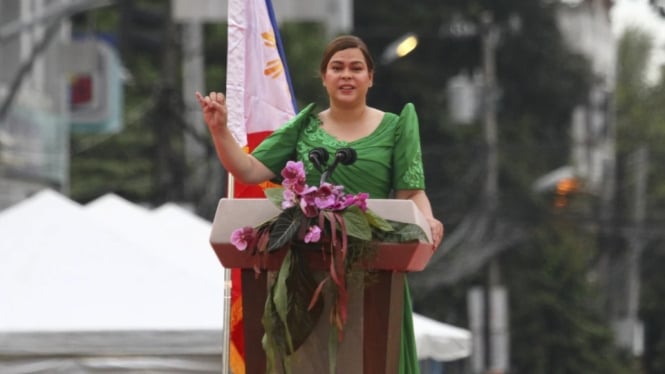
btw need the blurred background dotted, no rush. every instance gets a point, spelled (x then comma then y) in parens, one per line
(540, 124)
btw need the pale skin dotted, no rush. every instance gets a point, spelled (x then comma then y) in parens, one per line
(347, 80)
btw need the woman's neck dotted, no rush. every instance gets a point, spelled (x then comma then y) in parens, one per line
(347, 114)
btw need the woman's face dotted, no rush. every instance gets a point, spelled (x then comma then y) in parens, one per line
(347, 78)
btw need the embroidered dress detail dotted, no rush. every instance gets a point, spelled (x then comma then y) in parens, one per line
(414, 173)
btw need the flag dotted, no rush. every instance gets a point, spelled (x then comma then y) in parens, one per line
(259, 99)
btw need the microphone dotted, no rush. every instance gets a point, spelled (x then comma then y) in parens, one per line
(345, 156)
(319, 157)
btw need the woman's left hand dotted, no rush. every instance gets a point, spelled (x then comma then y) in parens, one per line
(437, 230)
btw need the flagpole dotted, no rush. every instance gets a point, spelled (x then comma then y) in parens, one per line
(226, 339)
(253, 41)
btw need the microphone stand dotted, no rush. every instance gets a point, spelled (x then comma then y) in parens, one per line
(319, 157)
(345, 156)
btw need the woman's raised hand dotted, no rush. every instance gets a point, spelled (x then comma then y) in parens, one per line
(214, 110)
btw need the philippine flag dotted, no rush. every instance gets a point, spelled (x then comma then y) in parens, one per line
(259, 99)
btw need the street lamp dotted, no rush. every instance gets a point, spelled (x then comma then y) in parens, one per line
(399, 48)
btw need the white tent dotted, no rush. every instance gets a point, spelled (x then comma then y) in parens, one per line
(439, 341)
(80, 296)
(115, 287)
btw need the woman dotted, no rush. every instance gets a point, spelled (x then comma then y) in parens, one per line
(389, 162)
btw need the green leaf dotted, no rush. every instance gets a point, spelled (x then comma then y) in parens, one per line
(273, 341)
(332, 349)
(377, 221)
(286, 319)
(402, 232)
(275, 195)
(280, 297)
(301, 286)
(285, 228)
(356, 223)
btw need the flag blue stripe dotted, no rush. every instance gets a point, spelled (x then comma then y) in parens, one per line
(280, 49)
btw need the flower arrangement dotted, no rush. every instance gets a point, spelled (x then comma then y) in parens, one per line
(313, 218)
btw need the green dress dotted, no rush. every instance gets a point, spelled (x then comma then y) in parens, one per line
(388, 159)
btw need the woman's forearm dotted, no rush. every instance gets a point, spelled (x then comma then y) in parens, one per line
(241, 165)
(245, 168)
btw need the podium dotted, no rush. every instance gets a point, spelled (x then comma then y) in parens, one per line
(373, 331)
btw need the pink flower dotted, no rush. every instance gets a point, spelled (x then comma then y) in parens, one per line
(241, 238)
(308, 206)
(325, 196)
(290, 199)
(313, 234)
(294, 176)
(361, 200)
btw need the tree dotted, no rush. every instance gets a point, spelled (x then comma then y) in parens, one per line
(641, 123)
(557, 325)
(540, 81)
(120, 163)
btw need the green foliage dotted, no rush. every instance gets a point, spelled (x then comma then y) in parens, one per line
(303, 46)
(400, 232)
(287, 318)
(639, 110)
(652, 310)
(275, 195)
(377, 221)
(144, 162)
(541, 81)
(555, 324)
(215, 56)
(640, 118)
(356, 223)
(118, 163)
(285, 228)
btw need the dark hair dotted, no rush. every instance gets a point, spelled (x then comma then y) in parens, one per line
(345, 42)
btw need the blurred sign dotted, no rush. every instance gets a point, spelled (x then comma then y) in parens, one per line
(80, 90)
(463, 92)
(95, 87)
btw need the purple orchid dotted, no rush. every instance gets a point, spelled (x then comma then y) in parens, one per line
(242, 237)
(294, 176)
(313, 234)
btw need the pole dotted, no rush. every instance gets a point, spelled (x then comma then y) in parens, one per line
(489, 41)
(193, 67)
(496, 343)
(641, 161)
(226, 338)
(632, 338)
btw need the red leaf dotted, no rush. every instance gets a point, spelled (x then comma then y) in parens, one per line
(317, 294)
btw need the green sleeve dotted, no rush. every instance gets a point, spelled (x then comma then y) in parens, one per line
(280, 146)
(407, 156)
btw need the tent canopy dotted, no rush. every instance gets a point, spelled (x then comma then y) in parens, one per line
(70, 268)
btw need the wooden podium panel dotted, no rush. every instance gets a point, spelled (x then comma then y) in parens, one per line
(373, 331)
